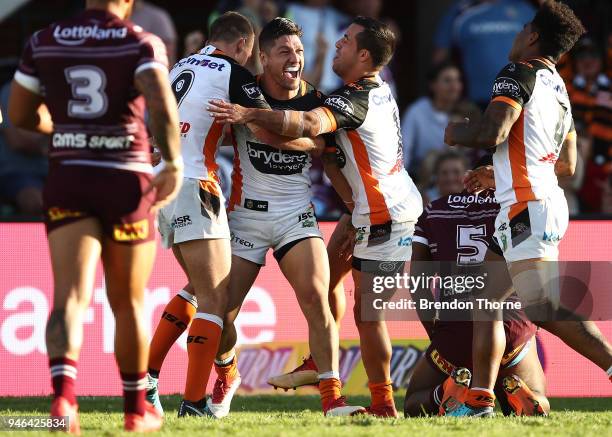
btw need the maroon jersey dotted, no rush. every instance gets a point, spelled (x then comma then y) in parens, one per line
(84, 68)
(458, 227)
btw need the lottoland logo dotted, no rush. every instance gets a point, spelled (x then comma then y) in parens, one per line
(269, 160)
(463, 200)
(75, 35)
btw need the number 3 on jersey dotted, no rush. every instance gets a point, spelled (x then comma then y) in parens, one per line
(88, 83)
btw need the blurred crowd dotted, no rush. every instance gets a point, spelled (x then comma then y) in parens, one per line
(471, 44)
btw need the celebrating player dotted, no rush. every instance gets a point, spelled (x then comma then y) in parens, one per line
(386, 202)
(270, 208)
(457, 229)
(529, 121)
(86, 80)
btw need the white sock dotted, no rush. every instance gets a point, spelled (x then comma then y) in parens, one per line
(332, 374)
(189, 298)
(225, 362)
(609, 371)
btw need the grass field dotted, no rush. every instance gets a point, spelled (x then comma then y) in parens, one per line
(300, 416)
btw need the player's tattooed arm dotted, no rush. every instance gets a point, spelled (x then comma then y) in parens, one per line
(27, 110)
(153, 84)
(293, 124)
(493, 128)
(302, 144)
(568, 156)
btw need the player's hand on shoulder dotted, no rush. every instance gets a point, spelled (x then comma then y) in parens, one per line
(479, 179)
(226, 112)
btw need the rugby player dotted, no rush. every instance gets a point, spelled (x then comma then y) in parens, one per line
(270, 208)
(262, 184)
(364, 115)
(86, 81)
(529, 122)
(457, 229)
(583, 336)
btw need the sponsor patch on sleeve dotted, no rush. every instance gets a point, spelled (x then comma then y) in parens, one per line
(252, 90)
(506, 86)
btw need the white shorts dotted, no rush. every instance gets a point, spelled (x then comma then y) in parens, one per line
(254, 232)
(195, 214)
(388, 242)
(535, 232)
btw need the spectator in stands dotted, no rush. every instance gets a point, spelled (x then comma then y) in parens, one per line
(193, 42)
(424, 121)
(449, 170)
(591, 96)
(481, 33)
(323, 25)
(157, 21)
(23, 164)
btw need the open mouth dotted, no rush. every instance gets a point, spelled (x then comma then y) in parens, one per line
(291, 72)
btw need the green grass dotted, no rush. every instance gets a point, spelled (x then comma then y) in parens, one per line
(254, 416)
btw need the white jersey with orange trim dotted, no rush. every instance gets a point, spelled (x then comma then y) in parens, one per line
(365, 116)
(268, 179)
(197, 79)
(525, 163)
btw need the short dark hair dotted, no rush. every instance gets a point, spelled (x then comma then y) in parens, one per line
(229, 27)
(377, 38)
(448, 155)
(275, 29)
(558, 28)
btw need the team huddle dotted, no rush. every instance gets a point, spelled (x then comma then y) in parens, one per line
(103, 198)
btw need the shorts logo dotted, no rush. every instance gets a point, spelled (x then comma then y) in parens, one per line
(503, 227)
(506, 86)
(340, 103)
(131, 231)
(387, 266)
(269, 160)
(504, 241)
(360, 234)
(441, 363)
(181, 222)
(252, 90)
(307, 219)
(404, 241)
(56, 214)
(552, 237)
(245, 243)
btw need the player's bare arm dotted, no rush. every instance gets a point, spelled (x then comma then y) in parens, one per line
(421, 257)
(339, 182)
(27, 110)
(154, 86)
(301, 144)
(566, 164)
(289, 123)
(491, 130)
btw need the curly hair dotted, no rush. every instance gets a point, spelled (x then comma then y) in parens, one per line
(559, 28)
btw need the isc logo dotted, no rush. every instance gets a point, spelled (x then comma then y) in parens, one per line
(196, 339)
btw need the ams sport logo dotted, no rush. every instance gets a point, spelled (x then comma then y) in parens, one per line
(131, 231)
